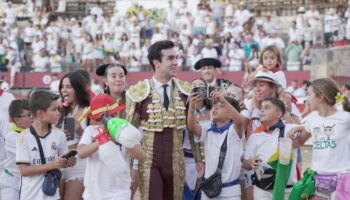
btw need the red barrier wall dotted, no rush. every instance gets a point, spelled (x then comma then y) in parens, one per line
(38, 79)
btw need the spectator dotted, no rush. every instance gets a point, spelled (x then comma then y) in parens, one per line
(236, 57)
(55, 83)
(276, 40)
(41, 61)
(55, 62)
(242, 14)
(293, 86)
(293, 53)
(248, 45)
(268, 24)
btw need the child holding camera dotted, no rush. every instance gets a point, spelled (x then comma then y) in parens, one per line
(98, 182)
(226, 126)
(10, 176)
(44, 107)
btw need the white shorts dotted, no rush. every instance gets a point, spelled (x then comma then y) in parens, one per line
(9, 186)
(191, 173)
(74, 173)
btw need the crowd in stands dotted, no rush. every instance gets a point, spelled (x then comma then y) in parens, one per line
(230, 33)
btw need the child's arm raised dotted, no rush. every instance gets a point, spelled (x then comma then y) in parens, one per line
(192, 123)
(30, 170)
(233, 114)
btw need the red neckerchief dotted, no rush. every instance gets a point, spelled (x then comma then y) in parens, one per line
(277, 69)
(261, 128)
(1, 91)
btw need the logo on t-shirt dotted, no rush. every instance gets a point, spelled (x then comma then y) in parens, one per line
(54, 146)
(34, 149)
(323, 137)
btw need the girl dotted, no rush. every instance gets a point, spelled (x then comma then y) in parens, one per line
(330, 129)
(75, 96)
(271, 60)
(112, 187)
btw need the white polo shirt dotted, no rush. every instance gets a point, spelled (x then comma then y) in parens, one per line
(54, 145)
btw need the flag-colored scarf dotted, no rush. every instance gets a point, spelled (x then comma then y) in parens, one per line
(14, 127)
(282, 175)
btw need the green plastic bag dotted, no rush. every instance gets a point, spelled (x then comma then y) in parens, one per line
(304, 188)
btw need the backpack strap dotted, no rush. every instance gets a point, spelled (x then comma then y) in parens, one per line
(42, 156)
(281, 135)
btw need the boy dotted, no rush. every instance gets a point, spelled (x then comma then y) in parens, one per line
(264, 142)
(44, 107)
(226, 121)
(10, 176)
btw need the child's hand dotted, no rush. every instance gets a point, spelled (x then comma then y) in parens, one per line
(59, 163)
(71, 161)
(260, 68)
(253, 163)
(217, 97)
(200, 169)
(78, 129)
(295, 132)
(193, 98)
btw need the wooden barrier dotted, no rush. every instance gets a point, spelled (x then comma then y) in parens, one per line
(43, 79)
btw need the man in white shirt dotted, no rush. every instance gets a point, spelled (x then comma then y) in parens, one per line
(11, 13)
(242, 14)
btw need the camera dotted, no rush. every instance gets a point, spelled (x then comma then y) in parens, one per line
(203, 92)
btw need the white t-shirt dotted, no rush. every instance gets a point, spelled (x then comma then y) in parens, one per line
(54, 145)
(6, 98)
(264, 145)
(117, 188)
(330, 141)
(4, 127)
(232, 164)
(40, 63)
(10, 148)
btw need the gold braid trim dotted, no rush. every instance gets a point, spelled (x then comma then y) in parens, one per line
(178, 164)
(145, 166)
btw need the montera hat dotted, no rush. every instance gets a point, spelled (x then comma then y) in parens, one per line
(207, 62)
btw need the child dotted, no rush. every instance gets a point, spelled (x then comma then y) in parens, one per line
(10, 176)
(264, 142)
(44, 107)
(226, 121)
(330, 130)
(99, 184)
(271, 60)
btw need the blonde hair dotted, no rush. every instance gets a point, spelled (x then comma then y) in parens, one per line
(273, 49)
(328, 89)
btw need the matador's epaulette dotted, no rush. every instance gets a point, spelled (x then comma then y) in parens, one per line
(140, 91)
(183, 86)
